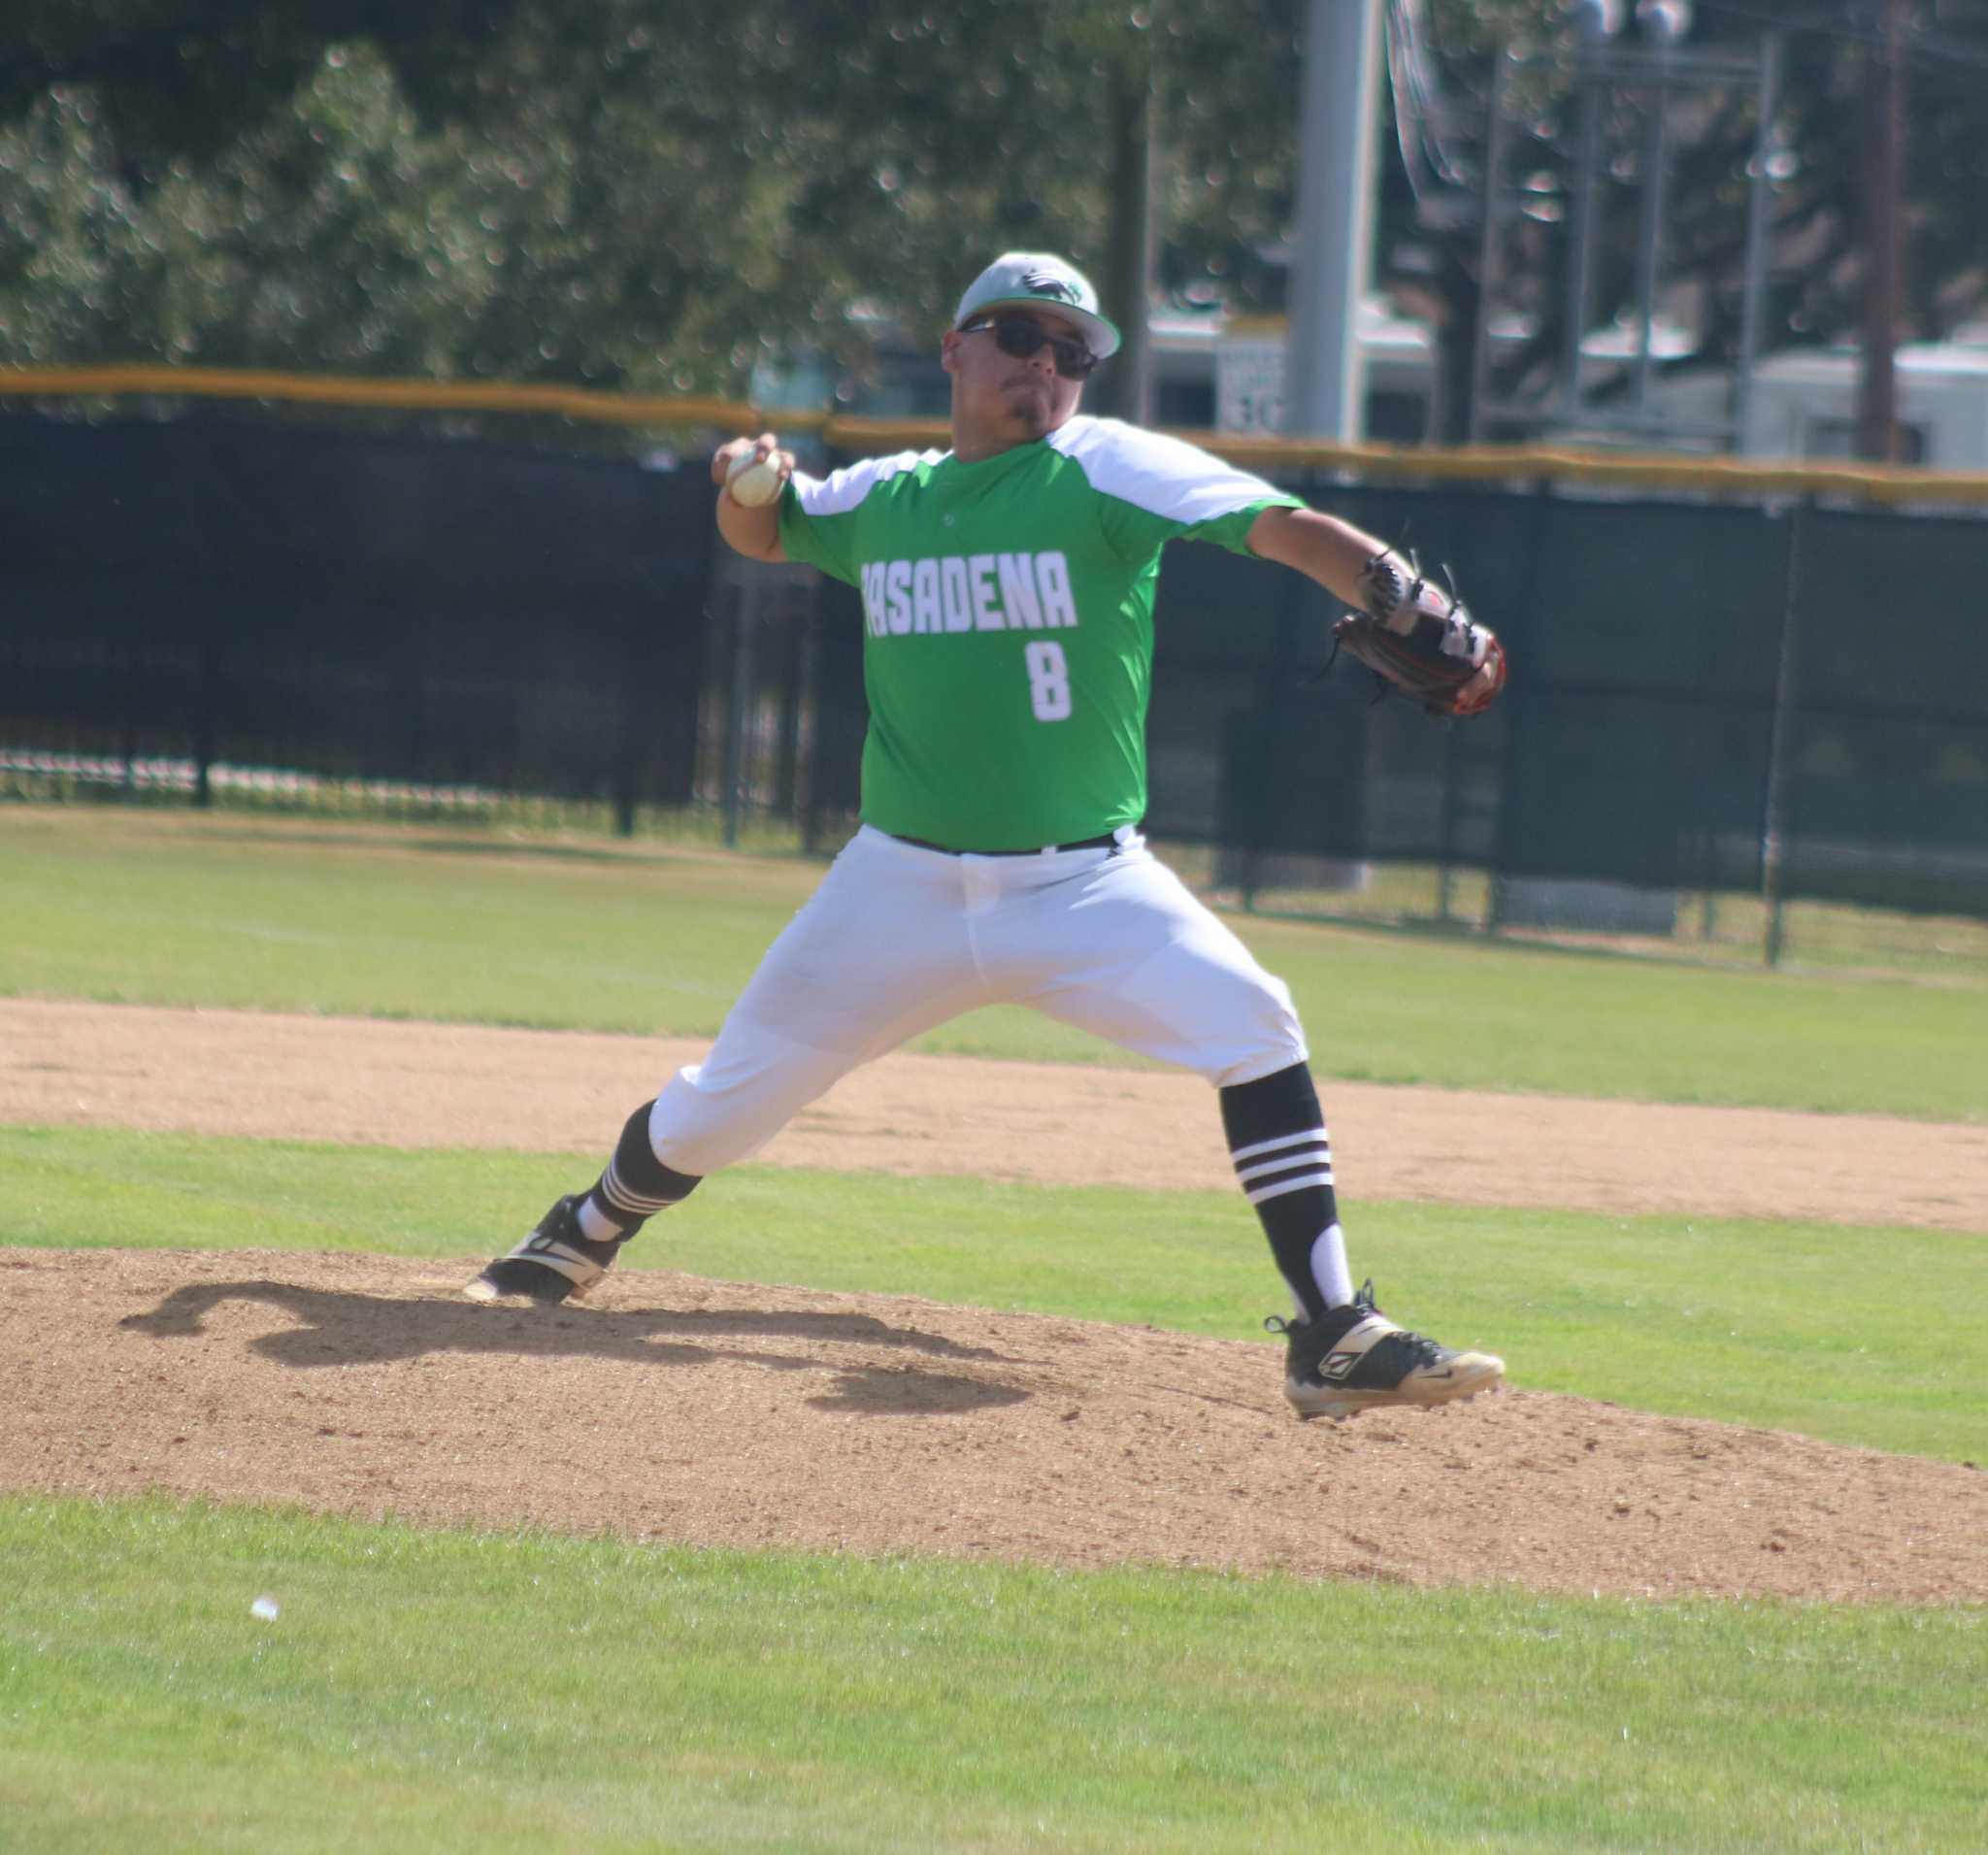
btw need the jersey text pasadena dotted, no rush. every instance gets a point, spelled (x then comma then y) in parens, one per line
(1007, 622)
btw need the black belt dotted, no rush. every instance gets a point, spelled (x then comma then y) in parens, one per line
(1108, 841)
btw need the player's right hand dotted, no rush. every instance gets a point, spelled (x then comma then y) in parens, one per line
(766, 445)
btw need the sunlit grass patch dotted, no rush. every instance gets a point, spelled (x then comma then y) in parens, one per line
(464, 1690)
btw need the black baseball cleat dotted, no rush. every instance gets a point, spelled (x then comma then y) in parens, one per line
(1353, 1359)
(554, 1263)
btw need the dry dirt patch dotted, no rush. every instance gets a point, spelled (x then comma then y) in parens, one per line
(302, 1078)
(732, 1414)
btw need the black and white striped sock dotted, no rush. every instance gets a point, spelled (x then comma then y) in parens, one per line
(1282, 1155)
(635, 1186)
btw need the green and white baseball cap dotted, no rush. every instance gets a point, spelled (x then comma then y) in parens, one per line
(1037, 279)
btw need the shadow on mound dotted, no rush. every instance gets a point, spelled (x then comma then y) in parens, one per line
(1028, 1437)
(339, 1327)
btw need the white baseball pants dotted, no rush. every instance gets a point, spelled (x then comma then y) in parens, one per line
(898, 940)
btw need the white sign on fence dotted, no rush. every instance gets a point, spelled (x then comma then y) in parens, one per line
(1250, 382)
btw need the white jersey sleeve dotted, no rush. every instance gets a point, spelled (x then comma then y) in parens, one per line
(1165, 488)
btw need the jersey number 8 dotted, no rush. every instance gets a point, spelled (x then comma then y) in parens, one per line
(1048, 681)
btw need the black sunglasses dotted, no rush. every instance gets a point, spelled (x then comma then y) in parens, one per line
(1022, 336)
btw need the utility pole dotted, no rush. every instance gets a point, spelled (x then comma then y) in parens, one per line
(1884, 134)
(1124, 387)
(1335, 138)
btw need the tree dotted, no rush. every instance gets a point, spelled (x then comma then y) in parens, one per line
(643, 194)
(633, 193)
(440, 189)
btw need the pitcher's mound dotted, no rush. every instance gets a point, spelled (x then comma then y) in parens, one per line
(672, 1408)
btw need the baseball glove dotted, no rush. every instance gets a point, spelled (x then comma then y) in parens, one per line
(1419, 639)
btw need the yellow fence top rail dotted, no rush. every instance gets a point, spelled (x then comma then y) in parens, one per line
(585, 402)
(1710, 476)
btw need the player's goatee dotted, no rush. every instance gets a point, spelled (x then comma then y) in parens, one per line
(1032, 412)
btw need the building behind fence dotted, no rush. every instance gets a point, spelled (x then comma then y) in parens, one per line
(1776, 693)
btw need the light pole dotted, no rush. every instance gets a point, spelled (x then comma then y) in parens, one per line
(1335, 140)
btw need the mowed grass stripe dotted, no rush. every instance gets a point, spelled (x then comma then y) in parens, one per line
(300, 917)
(458, 1690)
(1854, 1335)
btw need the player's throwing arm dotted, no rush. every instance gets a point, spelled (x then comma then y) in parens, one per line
(750, 473)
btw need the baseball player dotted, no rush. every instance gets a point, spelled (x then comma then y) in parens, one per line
(1008, 604)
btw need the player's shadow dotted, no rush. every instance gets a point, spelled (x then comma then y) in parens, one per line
(340, 1327)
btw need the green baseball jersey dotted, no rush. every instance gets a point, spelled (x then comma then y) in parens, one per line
(1008, 621)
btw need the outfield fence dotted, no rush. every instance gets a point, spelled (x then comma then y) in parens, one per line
(1761, 683)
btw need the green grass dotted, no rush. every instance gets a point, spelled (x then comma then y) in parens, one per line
(379, 924)
(455, 1690)
(1717, 929)
(451, 1690)
(1716, 1319)
(167, 909)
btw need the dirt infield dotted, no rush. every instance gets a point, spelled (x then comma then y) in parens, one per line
(711, 1413)
(729, 1414)
(300, 1078)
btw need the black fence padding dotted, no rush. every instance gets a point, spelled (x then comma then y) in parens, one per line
(470, 614)
(1226, 632)
(1887, 788)
(1639, 712)
(353, 605)
(842, 715)
(1633, 740)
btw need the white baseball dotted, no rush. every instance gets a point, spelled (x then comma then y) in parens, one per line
(752, 483)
